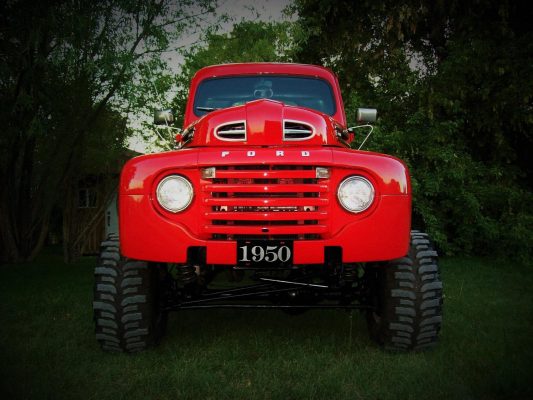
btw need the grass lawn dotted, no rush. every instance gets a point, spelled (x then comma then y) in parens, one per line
(47, 348)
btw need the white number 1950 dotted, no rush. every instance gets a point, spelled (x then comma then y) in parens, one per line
(269, 254)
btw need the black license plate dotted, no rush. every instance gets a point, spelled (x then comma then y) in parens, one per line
(264, 253)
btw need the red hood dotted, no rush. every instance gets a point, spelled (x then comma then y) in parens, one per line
(264, 123)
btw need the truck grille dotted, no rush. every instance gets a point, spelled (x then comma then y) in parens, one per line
(265, 201)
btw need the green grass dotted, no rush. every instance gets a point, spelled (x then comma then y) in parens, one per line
(47, 348)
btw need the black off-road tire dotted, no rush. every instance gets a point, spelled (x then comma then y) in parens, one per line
(127, 309)
(407, 296)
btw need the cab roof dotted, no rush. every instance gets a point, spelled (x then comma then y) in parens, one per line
(264, 68)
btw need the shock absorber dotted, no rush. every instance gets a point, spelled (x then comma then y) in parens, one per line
(350, 278)
(350, 273)
(186, 274)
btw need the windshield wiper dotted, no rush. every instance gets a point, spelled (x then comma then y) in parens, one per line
(206, 108)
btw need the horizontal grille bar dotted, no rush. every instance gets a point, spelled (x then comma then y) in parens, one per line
(270, 230)
(272, 216)
(309, 236)
(267, 188)
(268, 202)
(262, 174)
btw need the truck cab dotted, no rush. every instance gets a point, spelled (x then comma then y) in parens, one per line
(264, 184)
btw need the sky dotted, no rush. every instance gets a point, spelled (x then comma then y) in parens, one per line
(268, 10)
(238, 10)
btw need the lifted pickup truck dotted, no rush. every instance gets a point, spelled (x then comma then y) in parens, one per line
(263, 185)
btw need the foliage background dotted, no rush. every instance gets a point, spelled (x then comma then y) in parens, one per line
(452, 80)
(71, 75)
(453, 83)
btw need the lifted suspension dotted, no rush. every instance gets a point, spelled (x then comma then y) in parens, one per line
(254, 296)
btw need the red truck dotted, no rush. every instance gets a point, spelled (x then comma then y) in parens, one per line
(264, 186)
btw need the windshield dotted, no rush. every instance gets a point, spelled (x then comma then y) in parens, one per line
(216, 93)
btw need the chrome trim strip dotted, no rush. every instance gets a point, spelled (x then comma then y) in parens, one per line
(310, 131)
(230, 132)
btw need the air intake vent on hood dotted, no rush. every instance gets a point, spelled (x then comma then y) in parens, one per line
(234, 131)
(294, 130)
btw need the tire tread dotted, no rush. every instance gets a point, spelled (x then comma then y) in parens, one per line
(124, 303)
(411, 311)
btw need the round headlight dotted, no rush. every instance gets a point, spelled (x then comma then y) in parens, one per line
(356, 194)
(174, 193)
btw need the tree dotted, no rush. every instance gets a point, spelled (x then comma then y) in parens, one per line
(249, 41)
(97, 171)
(453, 81)
(65, 66)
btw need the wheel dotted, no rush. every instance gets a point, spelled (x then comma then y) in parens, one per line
(127, 310)
(407, 297)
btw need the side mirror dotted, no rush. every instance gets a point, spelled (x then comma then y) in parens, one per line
(163, 117)
(367, 114)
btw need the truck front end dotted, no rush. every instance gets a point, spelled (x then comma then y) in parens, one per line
(315, 200)
(264, 186)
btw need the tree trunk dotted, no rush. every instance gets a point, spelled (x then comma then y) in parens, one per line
(68, 217)
(9, 251)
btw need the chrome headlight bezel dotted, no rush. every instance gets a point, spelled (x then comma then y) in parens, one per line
(164, 203)
(370, 197)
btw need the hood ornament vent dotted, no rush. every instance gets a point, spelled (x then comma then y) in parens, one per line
(296, 130)
(232, 132)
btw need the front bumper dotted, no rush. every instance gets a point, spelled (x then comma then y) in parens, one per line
(147, 235)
